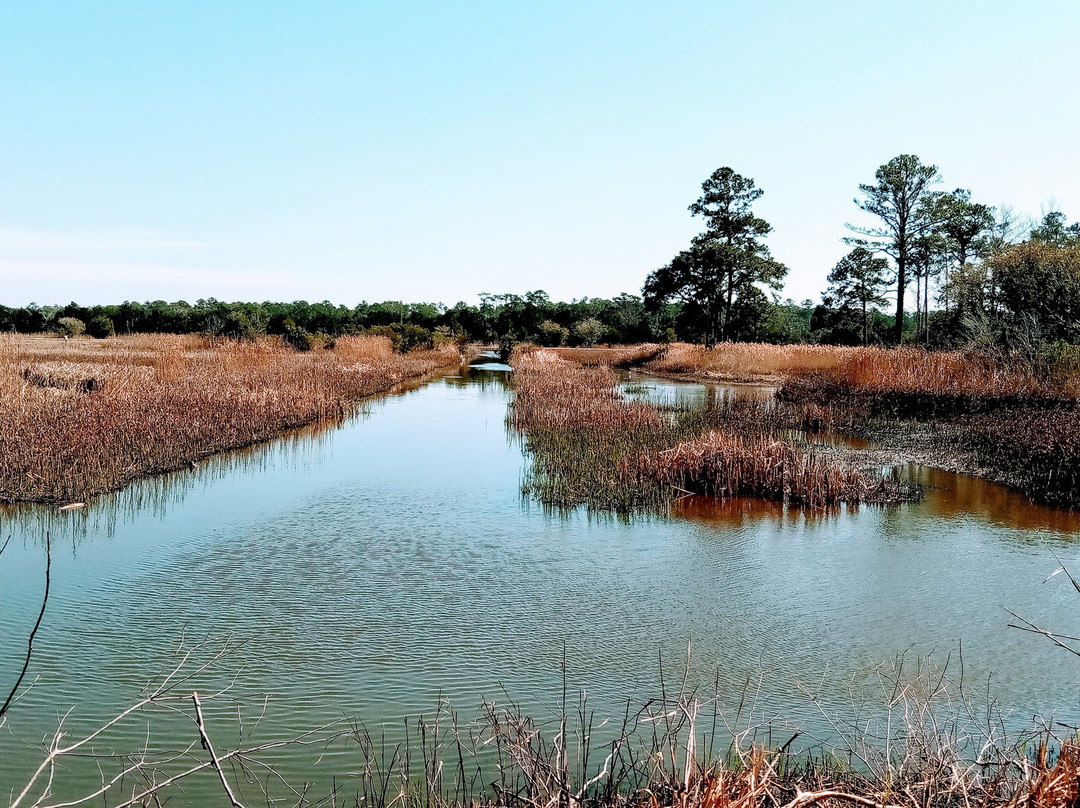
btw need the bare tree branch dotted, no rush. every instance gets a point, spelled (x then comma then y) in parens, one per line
(33, 633)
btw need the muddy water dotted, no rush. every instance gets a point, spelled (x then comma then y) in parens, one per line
(375, 569)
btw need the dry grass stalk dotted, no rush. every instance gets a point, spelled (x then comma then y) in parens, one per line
(83, 417)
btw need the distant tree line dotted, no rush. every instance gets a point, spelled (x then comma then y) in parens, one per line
(981, 276)
(498, 318)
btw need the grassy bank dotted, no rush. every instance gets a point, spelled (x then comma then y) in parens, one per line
(83, 417)
(616, 356)
(591, 446)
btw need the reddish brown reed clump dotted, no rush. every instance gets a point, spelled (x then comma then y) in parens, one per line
(726, 466)
(87, 416)
(591, 445)
(759, 780)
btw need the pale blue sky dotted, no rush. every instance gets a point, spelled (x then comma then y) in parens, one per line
(431, 151)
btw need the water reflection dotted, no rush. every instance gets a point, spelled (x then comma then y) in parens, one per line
(947, 495)
(640, 387)
(738, 512)
(950, 495)
(481, 374)
(303, 449)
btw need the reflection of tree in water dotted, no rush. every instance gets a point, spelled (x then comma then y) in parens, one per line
(487, 375)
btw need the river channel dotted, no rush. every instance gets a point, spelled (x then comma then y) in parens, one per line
(387, 565)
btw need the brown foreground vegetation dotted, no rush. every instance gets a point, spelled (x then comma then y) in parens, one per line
(83, 417)
(590, 445)
(927, 745)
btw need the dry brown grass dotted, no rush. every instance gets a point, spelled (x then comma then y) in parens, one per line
(591, 445)
(869, 371)
(746, 361)
(82, 417)
(726, 465)
(757, 781)
(911, 373)
(615, 356)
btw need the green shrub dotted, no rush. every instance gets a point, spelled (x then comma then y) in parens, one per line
(552, 335)
(589, 331)
(303, 340)
(70, 327)
(1061, 357)
(404, 336)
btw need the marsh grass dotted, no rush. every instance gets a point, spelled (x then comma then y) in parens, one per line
(744, 361)
(590, 445)
(83, 417)
(913, 382)
(1019, 420)
(1005, 417)
(612, 356)
(927, 743)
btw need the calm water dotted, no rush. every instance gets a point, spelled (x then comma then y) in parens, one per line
(373, 569)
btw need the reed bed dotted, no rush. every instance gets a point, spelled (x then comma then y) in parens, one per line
(592, 446)
(1002, 417)
(1037, 448)
(745, 361)
(724, 465)
(84, 417)
(916, 382)
(888, 375)
(613, 356)
(1010, 419)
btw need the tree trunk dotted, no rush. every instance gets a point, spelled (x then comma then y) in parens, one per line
(926, 310)
(901, 283)
(730, 296)
(918, 303)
